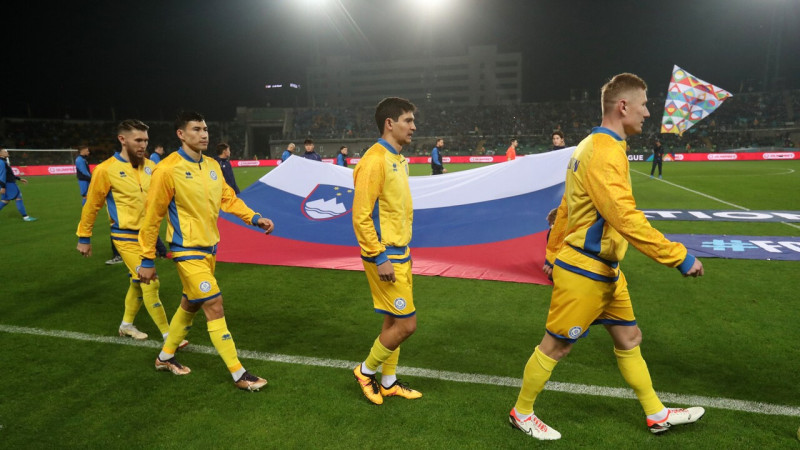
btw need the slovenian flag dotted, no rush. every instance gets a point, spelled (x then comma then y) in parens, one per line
(487, 223)
(689, 100)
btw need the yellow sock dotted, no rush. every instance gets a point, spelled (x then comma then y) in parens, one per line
(537, 372)
(223, 342)
(152, 303)
(390, 363)
(133, 301)
(634, 370)
(178, 329)
(377, 355)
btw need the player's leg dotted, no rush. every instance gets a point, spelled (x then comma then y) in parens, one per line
(128, 246)
(575, 303)
(179, 327)
(133, 301)
(390, 386)
(396, 302)
(223, 341)
(621, 325)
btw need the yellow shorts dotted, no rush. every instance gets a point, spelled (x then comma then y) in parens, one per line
(578, 302)
(196, 270)
(393, 299)
(127, 244)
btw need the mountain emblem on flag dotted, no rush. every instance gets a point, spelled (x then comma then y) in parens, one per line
(327, 201)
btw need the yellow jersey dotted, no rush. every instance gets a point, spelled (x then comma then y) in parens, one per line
(123, 188)
(382, 207)
(191, 194)
(597, 217)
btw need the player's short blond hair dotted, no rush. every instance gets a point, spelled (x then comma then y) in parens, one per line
(612, 91)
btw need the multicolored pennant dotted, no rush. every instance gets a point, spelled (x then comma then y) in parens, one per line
(689, 100)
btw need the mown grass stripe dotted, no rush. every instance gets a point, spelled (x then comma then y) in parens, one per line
(570, 388)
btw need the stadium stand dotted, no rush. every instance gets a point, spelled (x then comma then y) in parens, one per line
(748, 120)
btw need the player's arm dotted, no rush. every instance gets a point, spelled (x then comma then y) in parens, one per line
(232, 204)
(159, 196)
(368, 181)
(608, 185)
(83, 168)
(95, 199)
(557, 235)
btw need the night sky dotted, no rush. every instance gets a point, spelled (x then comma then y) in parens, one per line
(147, 59)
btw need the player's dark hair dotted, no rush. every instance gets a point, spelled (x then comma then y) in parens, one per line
(130, 125)
(184, 117)
(221, 147)
(308, 141)
(391, 108)
(558, 133)
(342, 148)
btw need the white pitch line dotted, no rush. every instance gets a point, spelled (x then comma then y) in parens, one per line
(710, 196)
(569, 388)
(695, 192)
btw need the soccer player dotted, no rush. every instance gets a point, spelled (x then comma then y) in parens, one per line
(158, 154)
(511, 152)
(382, 216)
(288, 152)
(82, 171)
(223, 159)
(121, 182)
(341, 157)
(437, 166)
(8, 187)
(191, 187)
(594, 223)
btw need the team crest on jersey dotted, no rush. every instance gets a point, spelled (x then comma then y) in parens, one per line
(213, 175)
(205, 286)
(327, 201)
(122, 174)
(575, 332)
(148, 170)
(400, 303)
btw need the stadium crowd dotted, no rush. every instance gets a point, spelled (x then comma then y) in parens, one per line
(758, 119)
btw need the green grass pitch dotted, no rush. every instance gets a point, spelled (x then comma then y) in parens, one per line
(732, 334)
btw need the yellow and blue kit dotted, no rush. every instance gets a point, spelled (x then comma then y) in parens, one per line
(597, 219)
(123, 188)
(382, 218)
(190, 193)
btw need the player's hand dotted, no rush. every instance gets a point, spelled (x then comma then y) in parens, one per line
(85, 249)
(146, 274)
(23, 180)
(696, 270)
(2, 191)
(266, 225)
(444, 170)
(386, 272)
(548, 270)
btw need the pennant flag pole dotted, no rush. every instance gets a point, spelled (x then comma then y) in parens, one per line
(487, 223)
(689, 100)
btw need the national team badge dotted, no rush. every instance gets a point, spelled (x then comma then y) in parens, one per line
(575, 332)
(213, 175)
(205, 286)
(327, 201)
(400, 303)
(148, 170)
